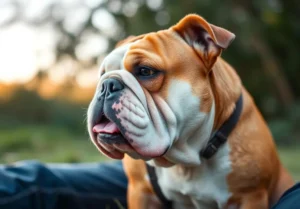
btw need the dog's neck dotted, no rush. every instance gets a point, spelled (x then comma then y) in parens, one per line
(227, 88)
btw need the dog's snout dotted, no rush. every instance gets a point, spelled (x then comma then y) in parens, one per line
(111, 86)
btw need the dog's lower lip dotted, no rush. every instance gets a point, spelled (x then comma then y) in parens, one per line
(111, 138)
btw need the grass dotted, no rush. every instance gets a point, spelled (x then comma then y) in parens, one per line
(47, 144)
(54, 144)
(290, 157)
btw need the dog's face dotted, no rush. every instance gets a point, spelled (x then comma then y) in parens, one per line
(154, 94)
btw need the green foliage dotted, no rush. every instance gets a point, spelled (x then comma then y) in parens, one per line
(46, 143)
(289, 156)
(27, 107)
(285, 128)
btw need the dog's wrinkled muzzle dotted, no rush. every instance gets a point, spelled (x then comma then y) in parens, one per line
(124, 119)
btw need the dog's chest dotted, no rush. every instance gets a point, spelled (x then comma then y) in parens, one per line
(202, 187)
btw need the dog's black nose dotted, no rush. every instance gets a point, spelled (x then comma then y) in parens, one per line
(111, 86)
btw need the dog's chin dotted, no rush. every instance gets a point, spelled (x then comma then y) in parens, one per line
(116, 145)
(113, 140)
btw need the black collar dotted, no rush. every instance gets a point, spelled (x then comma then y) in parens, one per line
(221, 135)
(167, 204)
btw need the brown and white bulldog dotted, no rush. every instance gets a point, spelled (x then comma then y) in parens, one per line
(160, 98)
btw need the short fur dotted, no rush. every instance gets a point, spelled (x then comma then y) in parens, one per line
(192, 98)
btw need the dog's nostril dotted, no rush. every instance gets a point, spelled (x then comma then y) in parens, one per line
(112, 85)
(116, 86)
(102, 89)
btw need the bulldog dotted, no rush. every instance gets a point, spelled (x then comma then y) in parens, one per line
(161, 98)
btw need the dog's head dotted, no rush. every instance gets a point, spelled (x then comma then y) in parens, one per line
(154, 94)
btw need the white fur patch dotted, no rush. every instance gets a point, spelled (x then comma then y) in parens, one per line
(193, 182)
(204, 186)
(193, 128)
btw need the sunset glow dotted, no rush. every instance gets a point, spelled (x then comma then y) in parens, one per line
(25, 49)
(17, 51)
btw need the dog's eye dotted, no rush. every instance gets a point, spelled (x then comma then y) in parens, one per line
(143, 71)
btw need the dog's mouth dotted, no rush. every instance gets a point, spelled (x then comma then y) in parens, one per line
(109, 138)
(108, 131)
(120, 124)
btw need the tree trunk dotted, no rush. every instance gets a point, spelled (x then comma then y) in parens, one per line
(272, 69)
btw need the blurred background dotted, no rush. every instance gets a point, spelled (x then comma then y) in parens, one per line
(50, 51)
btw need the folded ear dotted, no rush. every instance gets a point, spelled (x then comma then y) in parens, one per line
(207, 40)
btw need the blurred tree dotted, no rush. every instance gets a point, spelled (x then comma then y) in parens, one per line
(265, 53)
(260, 12)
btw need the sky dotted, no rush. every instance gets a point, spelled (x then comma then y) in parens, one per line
(18, 59)
(24, 48)
(19, 48)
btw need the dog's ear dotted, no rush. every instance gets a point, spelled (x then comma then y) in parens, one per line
(207, 40)
(129, 39)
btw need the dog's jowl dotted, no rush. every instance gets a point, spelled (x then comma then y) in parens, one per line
(167, 99)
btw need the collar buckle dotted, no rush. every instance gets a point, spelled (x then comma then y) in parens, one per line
(214, 144)
(221, 135)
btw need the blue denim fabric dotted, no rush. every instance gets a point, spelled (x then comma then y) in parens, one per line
(290, 199)
(34, 185)
(31, 184)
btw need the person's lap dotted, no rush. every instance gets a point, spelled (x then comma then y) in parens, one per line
(31, 184)
(290, 199)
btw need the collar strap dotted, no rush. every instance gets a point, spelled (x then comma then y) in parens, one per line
(167, 204)
(221, 135)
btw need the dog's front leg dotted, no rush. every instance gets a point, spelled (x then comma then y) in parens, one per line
(139, 198)
(140, 194)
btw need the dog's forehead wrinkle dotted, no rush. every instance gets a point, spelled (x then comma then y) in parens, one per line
(114, 60)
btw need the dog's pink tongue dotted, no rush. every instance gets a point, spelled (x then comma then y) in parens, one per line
(108, 128)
